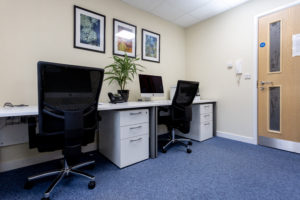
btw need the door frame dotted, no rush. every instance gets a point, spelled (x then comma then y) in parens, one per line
(255, 71)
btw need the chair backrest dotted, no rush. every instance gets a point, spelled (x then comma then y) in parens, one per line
(182, 104)
(68, 99)
(185, 93)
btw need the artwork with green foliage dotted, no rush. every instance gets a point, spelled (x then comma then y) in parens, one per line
(89, 30)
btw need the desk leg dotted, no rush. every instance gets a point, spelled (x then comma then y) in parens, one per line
(153, 132)
(214, 119)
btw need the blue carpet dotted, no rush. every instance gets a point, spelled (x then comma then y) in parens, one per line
(217, 169)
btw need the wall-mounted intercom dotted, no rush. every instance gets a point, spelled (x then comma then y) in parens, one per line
(239, 67)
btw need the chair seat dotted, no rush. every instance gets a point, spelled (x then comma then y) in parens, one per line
(182, 126)
(166, 120)
(47, 143)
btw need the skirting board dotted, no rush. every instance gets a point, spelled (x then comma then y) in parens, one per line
(236, 137)
(40, 158)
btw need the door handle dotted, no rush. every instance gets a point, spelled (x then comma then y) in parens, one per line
(266, 82)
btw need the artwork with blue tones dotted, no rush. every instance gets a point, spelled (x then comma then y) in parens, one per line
(89, 30)
(151, 46)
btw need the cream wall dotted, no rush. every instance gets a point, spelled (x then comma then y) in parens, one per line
(34, 30)
(210, 45)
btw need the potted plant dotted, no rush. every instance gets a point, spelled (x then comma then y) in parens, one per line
(121, 71)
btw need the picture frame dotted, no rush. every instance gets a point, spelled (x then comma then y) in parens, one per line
(150, 46)
(89, 30)
(124, 38)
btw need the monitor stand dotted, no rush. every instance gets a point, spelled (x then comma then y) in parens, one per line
(147, 99)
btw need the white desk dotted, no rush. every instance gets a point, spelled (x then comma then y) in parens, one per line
(33, 110)
(18, 111)
(151, 105)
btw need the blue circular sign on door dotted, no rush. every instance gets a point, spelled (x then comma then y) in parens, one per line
(262, 44)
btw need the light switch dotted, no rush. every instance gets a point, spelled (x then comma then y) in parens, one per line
(229, 65)
(247, 76)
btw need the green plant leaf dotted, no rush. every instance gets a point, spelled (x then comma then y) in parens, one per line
(122, 70)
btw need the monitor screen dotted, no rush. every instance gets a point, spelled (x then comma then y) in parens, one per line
(151, 84)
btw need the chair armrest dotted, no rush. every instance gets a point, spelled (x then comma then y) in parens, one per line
(163, 109)
(99, 118)
(32, 132)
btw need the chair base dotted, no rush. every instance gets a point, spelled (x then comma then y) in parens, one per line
(181, 141)
(61, 174)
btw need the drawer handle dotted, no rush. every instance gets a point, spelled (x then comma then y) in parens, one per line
(135, 127)
(206, 124)
(206, 106)
(137, 113)
(207, 115)
(136, 140)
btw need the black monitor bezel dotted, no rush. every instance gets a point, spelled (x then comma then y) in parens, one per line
(151, 92)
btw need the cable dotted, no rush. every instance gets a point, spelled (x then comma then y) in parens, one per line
(8, 104)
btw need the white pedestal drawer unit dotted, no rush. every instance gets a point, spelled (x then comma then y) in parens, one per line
(202, 123)
(124, 136)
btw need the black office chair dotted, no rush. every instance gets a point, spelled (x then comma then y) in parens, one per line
(180, 113)
(68, 117)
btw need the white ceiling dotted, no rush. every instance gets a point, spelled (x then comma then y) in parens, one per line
(185, 12)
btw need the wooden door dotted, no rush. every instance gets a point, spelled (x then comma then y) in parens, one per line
(279, 76)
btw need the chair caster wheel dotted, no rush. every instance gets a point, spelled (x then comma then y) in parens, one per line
(28, 185)
(44, 198)
(92, 185)
(190, 143)
(189, 150)
(163, 150)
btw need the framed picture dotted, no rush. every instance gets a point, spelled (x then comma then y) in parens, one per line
(150, 46)
(89, 30)
(124, 38)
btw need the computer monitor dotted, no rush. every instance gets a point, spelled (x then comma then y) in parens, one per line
(151, 86)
